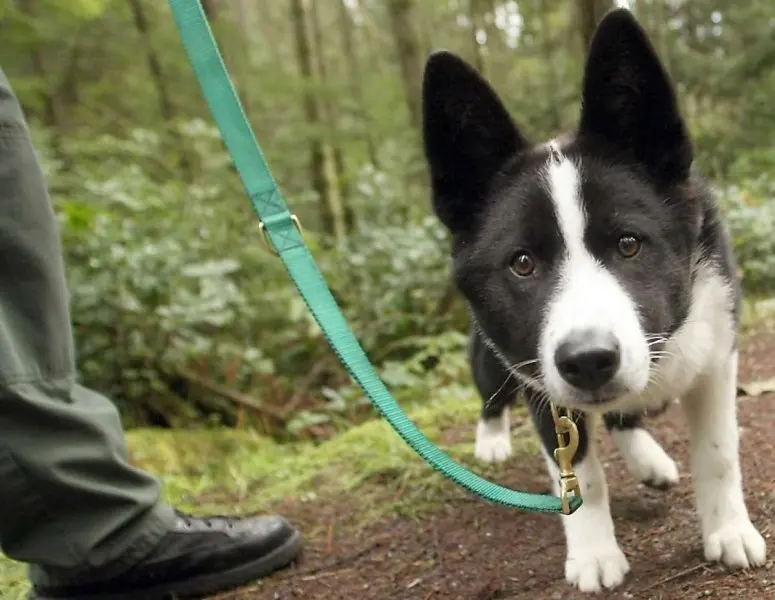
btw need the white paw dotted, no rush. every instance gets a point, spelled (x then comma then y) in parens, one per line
(656, 469)
(493, 440)
(737, 545)
(493, 449)
(646, 460)
(598, 567)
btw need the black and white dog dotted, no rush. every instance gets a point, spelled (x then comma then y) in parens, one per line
(600, 278)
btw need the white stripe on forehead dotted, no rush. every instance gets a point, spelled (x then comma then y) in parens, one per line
(587, 297)
(563, 183)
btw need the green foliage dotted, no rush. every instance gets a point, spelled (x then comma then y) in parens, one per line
(178, 309)
(167, 277)
(13, 580)
(156, 269)
(750, 216)
(391, 278)
(179, 312)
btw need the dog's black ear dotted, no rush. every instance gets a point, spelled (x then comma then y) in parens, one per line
(629, 102)
(468, 136)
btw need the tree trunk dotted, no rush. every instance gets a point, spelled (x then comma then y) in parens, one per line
(154, 64)
(322, 172)
(166, 108)
(403, 19)
(354, 78)
(475, 17)
(553, 77)
(662, 33)
(248, 21)
(424, 33)
(210, 8)
(68, 89)
(590, 13)
(334, 155)
(51, 115)
(263, 28)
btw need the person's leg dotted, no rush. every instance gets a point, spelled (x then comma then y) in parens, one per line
(68, 499)
(70, 503)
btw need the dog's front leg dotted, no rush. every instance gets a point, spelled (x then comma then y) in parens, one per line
(594, 559)
(728, 534)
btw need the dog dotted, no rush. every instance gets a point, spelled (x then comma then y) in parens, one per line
(600, 278)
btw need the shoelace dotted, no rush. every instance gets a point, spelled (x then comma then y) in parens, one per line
(189, 520)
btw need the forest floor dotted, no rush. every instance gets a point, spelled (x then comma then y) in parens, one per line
(379, 524)
(463, 548)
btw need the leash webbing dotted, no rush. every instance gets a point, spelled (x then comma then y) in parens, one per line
(282, 228)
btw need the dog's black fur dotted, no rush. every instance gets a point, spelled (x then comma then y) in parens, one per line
(637, 156)
(600, 278)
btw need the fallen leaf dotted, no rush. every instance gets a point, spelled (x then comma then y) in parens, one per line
(756, 388)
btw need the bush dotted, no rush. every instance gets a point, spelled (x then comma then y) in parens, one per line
(750, 216)
(173, 294)
(179, 312)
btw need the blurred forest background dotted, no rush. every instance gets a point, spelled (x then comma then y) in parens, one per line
(180, 314)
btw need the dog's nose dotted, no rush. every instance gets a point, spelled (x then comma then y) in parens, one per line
(588, 359)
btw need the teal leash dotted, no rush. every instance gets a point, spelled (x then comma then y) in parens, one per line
(281, 228)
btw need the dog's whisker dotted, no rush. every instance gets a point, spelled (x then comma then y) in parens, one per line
(523, 364)
(491, 399)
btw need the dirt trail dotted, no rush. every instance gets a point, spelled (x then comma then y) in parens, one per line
(475, 551)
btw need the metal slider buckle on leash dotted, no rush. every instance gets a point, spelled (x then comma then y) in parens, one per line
(281, 232)
(262, 228)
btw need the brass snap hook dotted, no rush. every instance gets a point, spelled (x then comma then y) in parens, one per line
(563, 454)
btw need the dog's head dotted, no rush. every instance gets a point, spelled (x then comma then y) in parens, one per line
(575, 255)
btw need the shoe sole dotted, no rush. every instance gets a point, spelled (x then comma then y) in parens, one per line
(206, 585)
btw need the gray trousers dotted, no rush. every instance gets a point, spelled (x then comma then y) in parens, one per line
(70, 502)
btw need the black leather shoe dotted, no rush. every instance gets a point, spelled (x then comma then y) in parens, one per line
(199, 557)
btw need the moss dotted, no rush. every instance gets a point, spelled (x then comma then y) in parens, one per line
(13, 580)
(212, 467)
(227, 471)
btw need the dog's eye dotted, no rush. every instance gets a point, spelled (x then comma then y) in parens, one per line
(522, 264)
(628, 245)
